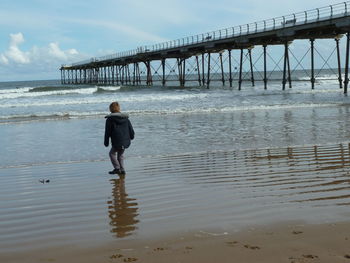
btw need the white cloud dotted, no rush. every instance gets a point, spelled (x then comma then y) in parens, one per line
(14, 53)
(45, 60)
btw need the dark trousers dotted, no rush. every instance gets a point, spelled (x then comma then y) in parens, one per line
(117, 158)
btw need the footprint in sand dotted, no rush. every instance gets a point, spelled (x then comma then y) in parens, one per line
(232, 243)
(159, 249)
(115, 256)
(251, 247)
(297, 232)
(310, 256)
(130, 259)
(304, 259)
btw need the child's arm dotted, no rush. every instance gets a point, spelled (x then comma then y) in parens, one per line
(131, 131)
(107, 133)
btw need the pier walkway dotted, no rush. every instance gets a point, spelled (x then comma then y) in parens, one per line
(149, 64)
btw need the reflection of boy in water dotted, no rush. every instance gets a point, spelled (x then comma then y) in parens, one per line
(122, 210)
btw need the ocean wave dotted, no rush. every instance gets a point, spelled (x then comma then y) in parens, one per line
(30, 92)
(105, 99)
(107, 89)
(179, 111)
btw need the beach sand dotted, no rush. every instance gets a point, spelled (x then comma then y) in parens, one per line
(263, 205)
(292, 243)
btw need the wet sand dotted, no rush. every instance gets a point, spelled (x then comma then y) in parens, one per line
(261, 205)
(290, 243)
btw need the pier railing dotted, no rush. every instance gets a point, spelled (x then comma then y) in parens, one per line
(300, 18)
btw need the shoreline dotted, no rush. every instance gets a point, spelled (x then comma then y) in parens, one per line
(278, 243)
(285, 204)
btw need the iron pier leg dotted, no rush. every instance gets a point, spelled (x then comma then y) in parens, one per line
(122, 74)
(312, 64)
(126, 68)
(97, 75)
(113, 70)
(208, 77)
(149, 74)
(230, 67)
(198, 71)
(138, 73)
(117, 74)
(184, 72)
(284, 81)
(163, 67)
(111, 80)
(240, 70)
(203, 77)
(222, 70)
(251, 67)
(265, 77)
(339, 64)
(346, 77)
(289, 72)
(105, 75)
(129, 76)
(179, 68)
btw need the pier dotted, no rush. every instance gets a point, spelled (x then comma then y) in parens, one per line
(224, 54)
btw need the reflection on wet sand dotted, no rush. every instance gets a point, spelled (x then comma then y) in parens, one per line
(122, 210)
(292, 174)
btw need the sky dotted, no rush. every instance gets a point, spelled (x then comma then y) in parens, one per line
(38, 36)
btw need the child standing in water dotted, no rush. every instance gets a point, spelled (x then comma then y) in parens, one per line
(121, 132)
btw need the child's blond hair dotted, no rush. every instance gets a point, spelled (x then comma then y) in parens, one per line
(114, 107)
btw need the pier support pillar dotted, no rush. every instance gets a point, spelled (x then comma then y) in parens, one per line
(179, 69)
(149, 73)
(251, 66)
(163, 68)
(222, 70)
(230, 67)
(208, 76)
(289, 71)
(265, 63)
(203, 75)
(312, 41)
(286, 66)
(184, 72)
(198, 71)
(339, 62)
(240, 70)
(346, 77)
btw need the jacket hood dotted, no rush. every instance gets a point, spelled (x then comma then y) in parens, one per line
(118, 115)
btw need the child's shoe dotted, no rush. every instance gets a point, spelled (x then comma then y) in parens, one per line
(115, 171)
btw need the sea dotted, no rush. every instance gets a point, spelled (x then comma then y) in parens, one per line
(41, 120)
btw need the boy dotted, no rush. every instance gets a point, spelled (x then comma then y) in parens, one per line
(121, 132)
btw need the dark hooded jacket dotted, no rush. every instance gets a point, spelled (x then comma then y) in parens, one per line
(119, 129)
